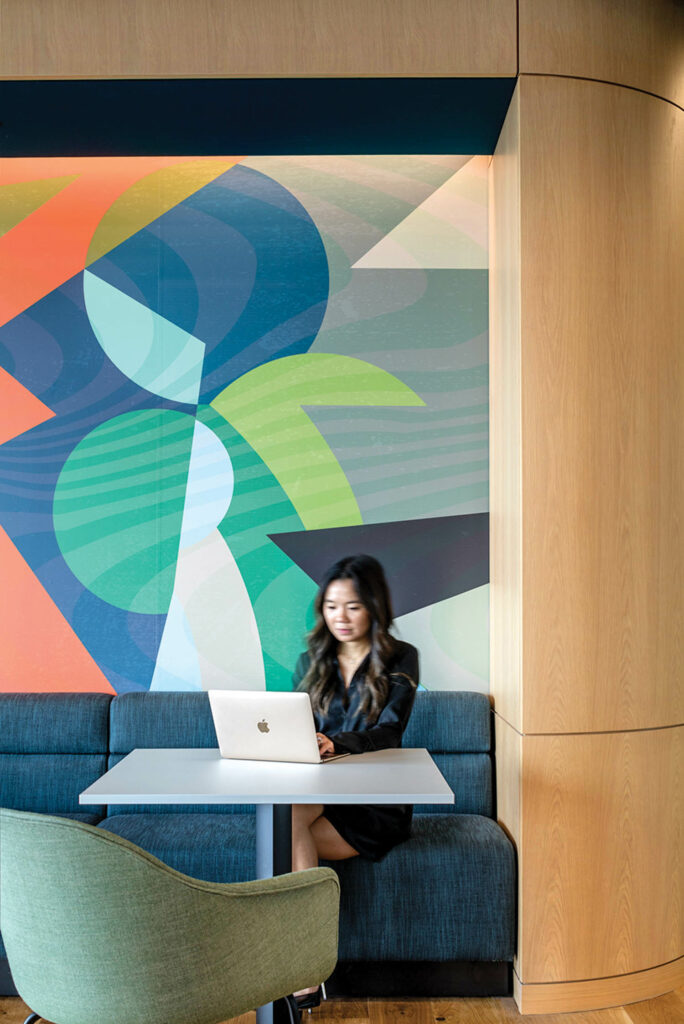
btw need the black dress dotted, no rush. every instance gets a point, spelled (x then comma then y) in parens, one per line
(374, 829)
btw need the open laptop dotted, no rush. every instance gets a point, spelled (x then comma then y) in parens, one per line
(260, 725)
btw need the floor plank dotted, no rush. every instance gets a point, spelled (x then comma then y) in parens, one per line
(668, 1009)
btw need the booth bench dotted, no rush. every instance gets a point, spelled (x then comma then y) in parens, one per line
(435, 917)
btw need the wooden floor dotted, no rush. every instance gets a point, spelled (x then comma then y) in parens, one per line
(667, 1009)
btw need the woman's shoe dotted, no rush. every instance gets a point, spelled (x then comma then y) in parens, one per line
(311, 999)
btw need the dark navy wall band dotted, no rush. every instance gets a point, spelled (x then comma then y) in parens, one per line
(252, 116)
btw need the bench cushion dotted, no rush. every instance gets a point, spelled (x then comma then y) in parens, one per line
(52, 746)
(54, 723)
(213, 847)
(49, 783)
(455, 722)
(163, 720)
(447, 893)
(160, 719)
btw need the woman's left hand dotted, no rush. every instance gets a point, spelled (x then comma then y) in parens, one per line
(325, 745)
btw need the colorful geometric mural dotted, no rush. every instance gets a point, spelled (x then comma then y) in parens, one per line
(217, 376)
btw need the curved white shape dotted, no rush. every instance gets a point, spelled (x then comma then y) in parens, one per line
(209, 487)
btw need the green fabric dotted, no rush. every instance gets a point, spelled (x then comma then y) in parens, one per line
(97, 929)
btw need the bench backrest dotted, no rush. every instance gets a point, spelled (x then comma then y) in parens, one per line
(456, 727)
(51, 747)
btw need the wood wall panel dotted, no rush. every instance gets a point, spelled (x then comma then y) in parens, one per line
(505, 537)
(602, 247)
(256, 38)
(508, 742)
(603, 875)
(505, 442)
(565, 997)
(638, 43)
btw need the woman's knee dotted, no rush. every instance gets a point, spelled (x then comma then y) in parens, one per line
(329, 843)
(304, 815)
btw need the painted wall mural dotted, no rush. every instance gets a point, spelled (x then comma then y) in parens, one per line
(217, 376)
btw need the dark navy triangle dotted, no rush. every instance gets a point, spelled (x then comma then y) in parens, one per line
(426, 560)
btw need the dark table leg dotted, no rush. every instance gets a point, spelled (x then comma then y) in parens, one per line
(274, 857)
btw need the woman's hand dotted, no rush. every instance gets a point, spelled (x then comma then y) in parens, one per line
(325, 745)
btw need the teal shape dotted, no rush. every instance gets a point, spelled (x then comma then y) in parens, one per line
(118, 507)
(150, 350)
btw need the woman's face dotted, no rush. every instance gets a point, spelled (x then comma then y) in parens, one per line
(346, 618)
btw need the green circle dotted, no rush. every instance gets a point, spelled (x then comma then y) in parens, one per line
(118, 507)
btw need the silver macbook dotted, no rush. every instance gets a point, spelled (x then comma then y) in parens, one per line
(266, 726)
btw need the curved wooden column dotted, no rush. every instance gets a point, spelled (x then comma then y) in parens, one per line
(587, 506)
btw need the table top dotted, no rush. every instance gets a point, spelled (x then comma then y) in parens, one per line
(202, 776)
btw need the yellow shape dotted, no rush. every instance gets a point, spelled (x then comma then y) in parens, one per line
(19, 200)
(149, 198)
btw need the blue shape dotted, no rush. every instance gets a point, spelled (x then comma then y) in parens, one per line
(240, 265)
(124, 644)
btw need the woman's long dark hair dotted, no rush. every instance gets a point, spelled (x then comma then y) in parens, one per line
(370, 584)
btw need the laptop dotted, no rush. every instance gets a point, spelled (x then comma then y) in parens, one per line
(261, 725)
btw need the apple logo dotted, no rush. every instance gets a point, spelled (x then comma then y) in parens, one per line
(262, 726)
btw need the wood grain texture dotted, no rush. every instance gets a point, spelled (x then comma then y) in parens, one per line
(508, 766)
(602, 243)
(639, 43)
(667, 1009)
(449, 1011)
(505, 537)
(256, 38)
(602, 856)
(550, 1000)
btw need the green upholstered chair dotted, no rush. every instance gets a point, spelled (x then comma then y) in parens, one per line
(98, 930)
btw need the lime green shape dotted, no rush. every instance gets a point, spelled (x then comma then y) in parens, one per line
(19, 200)
(118, 507)
(266, 407)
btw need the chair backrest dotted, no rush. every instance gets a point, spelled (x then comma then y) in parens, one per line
(82, 911)
(96, 929)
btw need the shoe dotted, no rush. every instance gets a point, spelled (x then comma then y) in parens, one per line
(311, 999)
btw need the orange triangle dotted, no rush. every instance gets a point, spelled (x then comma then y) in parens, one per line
(19, 409)
(51, 245)
(20, 199)
(40, 651)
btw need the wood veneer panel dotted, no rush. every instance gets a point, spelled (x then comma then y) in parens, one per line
(504, 404)
(508, 766)
(602, 857)
(602, 244)
(508, 778)
(582, 995)
(256, 38)
(629, 42)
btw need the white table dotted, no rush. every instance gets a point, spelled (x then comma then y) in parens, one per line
(202, 776)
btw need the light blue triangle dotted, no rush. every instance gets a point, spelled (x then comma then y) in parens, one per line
(150, 350)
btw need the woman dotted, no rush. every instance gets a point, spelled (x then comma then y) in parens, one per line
(362, 682)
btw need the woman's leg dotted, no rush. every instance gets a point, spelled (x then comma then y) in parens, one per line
(329, 843)
(312, 837)
(304, 853)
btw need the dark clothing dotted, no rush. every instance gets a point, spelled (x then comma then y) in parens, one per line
(371, 829)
